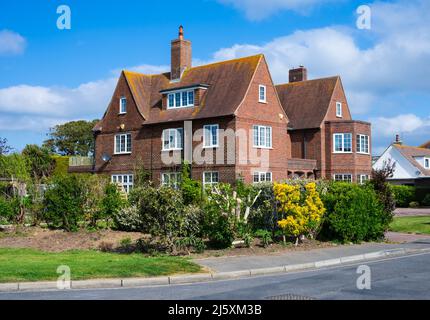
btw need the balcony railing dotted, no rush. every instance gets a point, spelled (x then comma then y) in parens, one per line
(302, 164)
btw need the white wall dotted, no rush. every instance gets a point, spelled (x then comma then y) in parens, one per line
(403, 170)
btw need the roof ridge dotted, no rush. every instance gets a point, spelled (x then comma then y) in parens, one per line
(306, 81)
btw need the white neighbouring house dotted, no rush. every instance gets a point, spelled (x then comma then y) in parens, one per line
(412, 163)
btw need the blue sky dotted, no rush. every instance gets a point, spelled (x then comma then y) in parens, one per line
(50, 76)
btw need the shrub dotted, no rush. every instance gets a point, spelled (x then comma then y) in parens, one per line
(264, 214)
(7, 211)
(414, 204)
(265, 236)
(302, 213)
(64, 202)
(191, 189)
(403, 195)
(383, 189)
(111, 202)
(128, 219)
(426, 200)
(354, 214)
(189, 244)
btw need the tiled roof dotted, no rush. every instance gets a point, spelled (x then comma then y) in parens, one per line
(411, 152)
(228, 83)
(425, 145)
(306, 102)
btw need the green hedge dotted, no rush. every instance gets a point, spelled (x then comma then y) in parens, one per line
(354, 214)
(403, 195)
(61, 165)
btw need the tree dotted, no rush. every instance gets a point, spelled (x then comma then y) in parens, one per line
(40, 162)
(4, 147)
(73, 138)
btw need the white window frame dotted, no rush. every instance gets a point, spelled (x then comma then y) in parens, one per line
(120, 178)
(167, 181)
(179, 104)
(339, 110)
(343, 135)
(360, 147)
(212, 180)
(208, 128)
(343, 176)
(258, 140)
(260, 87)
(178, 134)
(127, 147)
(362, 178)
(260, 176)
(427, 161)
(121, 100)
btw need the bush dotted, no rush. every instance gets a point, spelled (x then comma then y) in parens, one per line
(354, 214)
(128, 219)
(414, 204)
(111, 202)
(426, 200)
(265, 236)
(189, 244)
(264, 214)
(403, 195)
(64, 202)
(7, 211)
(191, 189)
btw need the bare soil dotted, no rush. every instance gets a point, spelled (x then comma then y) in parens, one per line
(58, 240)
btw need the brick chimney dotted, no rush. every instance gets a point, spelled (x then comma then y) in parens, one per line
(180, 55)
(298, 74)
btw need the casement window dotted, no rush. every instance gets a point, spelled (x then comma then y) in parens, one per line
(211, 135)
(122, 143)
(262, 177)
(173, 139)
(124, 180)
(180, 99)
(343, 177)
(339, 109)
(262, 136)
(427, 163)
(362, 178)
(362, 143)
(122, 105)
(210, 177)
(342, 142)
(262, 93)
(171, 179)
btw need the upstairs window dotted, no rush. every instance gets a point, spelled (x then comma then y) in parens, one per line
(342, 142)
(173, 139)
(427, 163)
(262, 136)
(339, 109)
(122, 143)
(122, 105)
(362, 143)
(180, 99)
(211, 135)
(262, 94)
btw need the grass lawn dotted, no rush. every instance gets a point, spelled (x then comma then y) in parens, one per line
(34, 265)
(418, 224)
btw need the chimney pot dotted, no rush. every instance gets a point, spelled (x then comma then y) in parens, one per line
(181, 32)
(398, 140)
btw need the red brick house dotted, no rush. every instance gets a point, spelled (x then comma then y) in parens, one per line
(229, 121)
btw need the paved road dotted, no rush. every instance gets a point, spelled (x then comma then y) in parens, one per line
(397, 278)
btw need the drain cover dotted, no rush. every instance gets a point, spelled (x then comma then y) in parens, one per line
(289, 296)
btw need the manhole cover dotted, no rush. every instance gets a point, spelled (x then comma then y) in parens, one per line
(289, 296)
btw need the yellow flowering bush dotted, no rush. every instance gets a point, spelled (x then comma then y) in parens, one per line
(302, 213)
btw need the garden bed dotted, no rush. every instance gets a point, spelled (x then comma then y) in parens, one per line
(58, 240)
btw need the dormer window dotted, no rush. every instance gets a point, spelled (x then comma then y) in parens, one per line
(180, 99)
(123, 105)
(339, 109)
(262, 94)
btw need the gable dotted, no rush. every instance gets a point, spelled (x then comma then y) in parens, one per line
(338, 96)
(112, 119)
(251, 108)
(404, 168)
(306, 102)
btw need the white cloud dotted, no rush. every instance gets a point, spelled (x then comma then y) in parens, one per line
(28, 123)
(11, 43)
(259, 9)
(400, 124)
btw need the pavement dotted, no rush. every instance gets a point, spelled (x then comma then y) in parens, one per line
(405, 212)
(402, 277)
